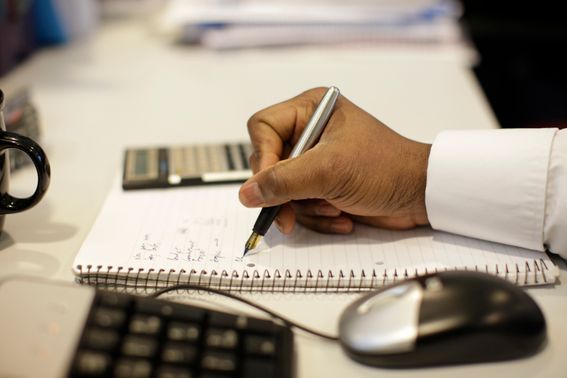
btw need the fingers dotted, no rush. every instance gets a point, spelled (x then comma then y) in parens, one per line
(294, 179)
(341, 224)
(315, 208)
(285, 221)
(321, 216)
(317, 215)
(275, 128)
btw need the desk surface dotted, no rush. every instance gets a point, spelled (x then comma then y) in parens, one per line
(128, 87)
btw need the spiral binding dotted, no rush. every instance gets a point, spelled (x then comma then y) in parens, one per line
(111, 277)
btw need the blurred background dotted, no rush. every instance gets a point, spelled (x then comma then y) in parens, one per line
(515, 49)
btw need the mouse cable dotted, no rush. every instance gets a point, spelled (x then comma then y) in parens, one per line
(286, 321)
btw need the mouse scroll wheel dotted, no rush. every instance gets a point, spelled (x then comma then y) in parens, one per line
(433, 284)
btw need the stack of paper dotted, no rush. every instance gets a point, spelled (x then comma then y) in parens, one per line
(250, 23)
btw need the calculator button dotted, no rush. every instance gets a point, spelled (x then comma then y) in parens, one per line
(145, 324)
(139, 346)
(173, 372)
(218, 361)
(183, 331)
(91, 364)
(179, 353)
(221, 338)
(131, 368)
(260, 345)
(108, 317)
(101, 339)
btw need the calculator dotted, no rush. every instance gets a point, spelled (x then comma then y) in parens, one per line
(50, 329)
(199, 164)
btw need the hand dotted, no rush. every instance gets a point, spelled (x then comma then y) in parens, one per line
(359, 171)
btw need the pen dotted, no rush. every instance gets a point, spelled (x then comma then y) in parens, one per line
(309, 136)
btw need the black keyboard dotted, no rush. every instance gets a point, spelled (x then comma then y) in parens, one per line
(141, 337)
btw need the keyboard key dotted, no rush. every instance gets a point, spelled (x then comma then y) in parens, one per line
(179, 353)
(145, 324)
(173, 372)
(219, 361)
(260, 345)
(130, 368)
(262, 326)
(221, 338)
(105, 317)
(258, 368)
(171, 310)
(101, 339)
(91, 364)
(183, 331)
(219, 319)
(139, 346)
(109, 299)
(210, 374)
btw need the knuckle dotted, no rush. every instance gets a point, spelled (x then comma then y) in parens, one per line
(253, 121)
(316, 91)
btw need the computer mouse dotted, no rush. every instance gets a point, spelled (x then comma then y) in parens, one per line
(445, 318)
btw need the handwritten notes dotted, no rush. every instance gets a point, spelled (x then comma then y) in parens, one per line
(205, 228)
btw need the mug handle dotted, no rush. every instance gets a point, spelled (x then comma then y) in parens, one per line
(9, 204)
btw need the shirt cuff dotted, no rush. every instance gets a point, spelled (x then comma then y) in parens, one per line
(490, 184)
(555, 226)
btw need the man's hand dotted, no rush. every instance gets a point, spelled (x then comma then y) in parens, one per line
(359, 171)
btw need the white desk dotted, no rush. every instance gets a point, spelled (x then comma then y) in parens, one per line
(127, 87)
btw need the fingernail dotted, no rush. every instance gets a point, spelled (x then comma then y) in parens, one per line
(250, 194)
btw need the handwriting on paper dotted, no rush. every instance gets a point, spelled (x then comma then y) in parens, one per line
(197, 239)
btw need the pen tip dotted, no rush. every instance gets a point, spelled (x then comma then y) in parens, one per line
(251, 243)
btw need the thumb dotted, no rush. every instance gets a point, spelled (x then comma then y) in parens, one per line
(292, 179)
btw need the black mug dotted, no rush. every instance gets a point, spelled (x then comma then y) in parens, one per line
(8, 203)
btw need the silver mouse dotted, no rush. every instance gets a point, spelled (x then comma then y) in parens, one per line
(442, 319)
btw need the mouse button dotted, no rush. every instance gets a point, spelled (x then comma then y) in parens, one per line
(384, 297)
(447, 311)
(387, 323)
(514, 310)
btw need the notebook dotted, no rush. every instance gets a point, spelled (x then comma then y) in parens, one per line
(158, 237)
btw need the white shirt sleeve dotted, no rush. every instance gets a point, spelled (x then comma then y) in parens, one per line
(506, 185)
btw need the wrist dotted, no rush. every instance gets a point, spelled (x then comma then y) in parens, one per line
(419, 210)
